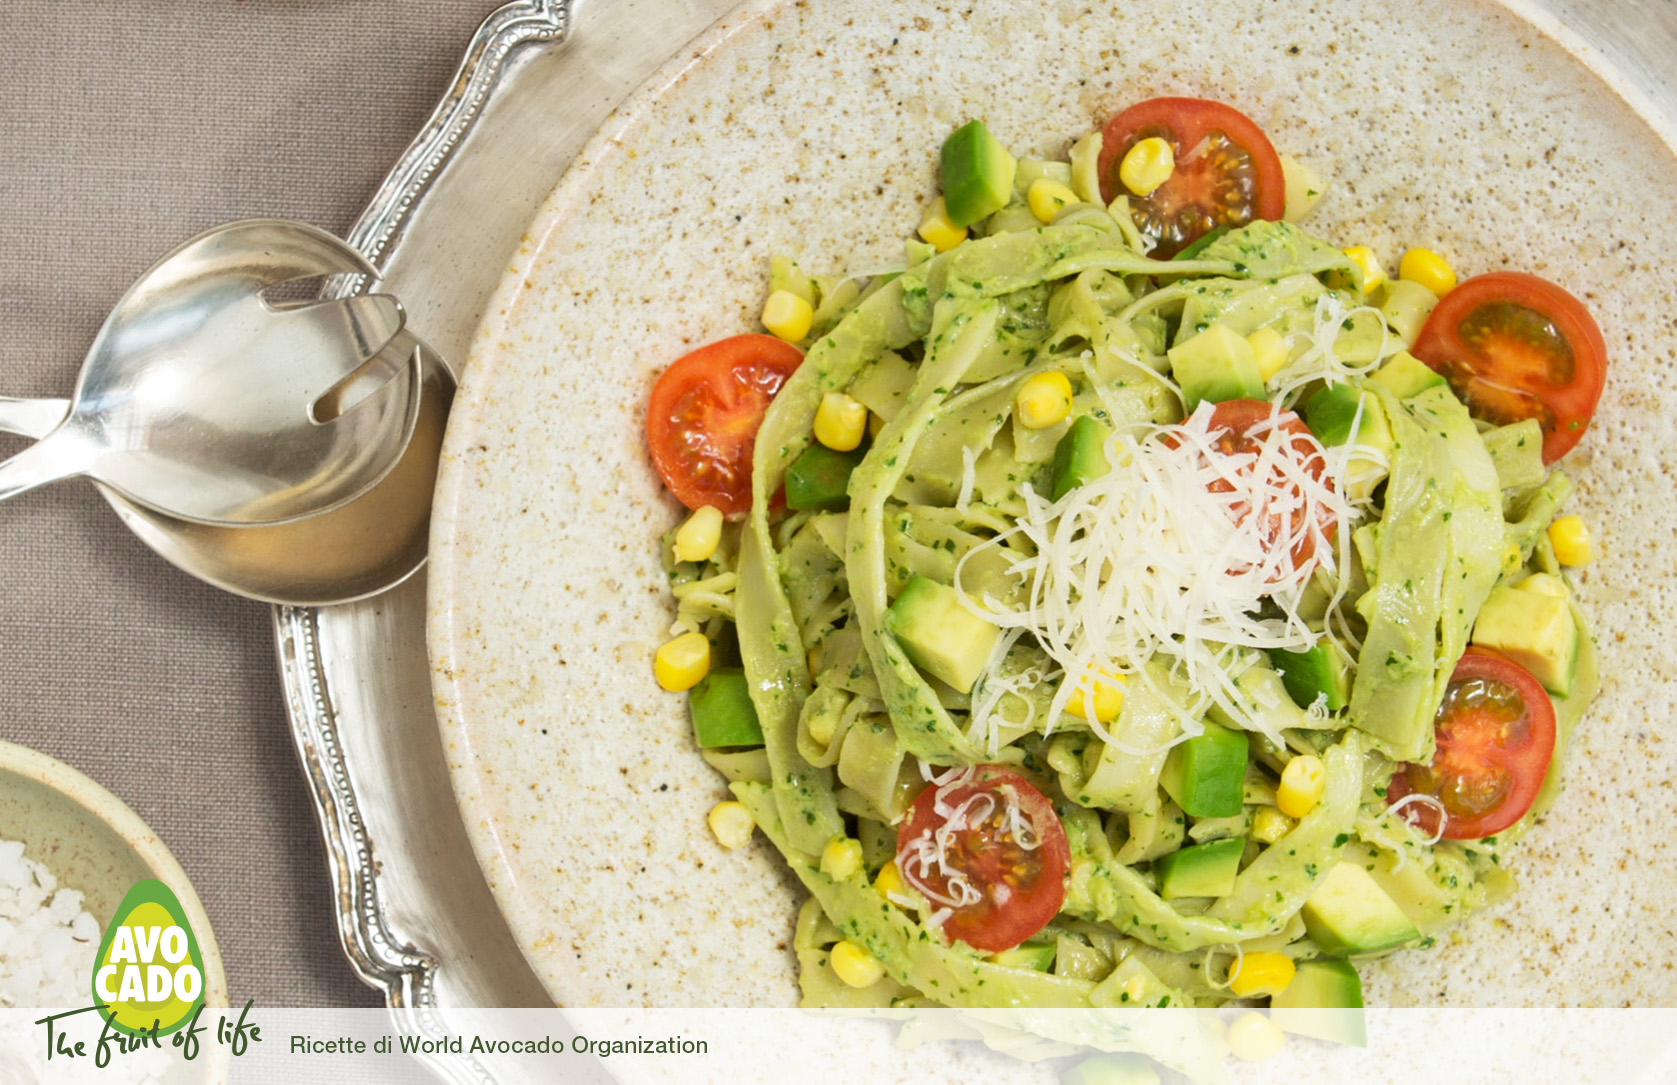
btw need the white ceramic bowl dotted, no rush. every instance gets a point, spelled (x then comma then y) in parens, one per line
(92, 842)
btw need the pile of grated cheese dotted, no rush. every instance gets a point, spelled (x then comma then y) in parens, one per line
(1172, 553)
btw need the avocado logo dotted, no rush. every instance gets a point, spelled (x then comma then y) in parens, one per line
(149, 977)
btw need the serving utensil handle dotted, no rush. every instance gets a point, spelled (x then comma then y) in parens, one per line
(58, 455)
(32, 417)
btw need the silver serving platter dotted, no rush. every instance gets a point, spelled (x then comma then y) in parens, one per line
(414, 914)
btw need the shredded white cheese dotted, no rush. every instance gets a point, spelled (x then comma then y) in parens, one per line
(1173, 552)
(928, 856)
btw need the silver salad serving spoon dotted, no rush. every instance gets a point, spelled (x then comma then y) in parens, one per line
(202, 400)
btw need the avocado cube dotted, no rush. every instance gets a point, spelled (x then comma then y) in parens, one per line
(1330, 412)
(977, 173)
(1535, 630)
(1080, 456)
(1204, 773)
(1349, 914)
(939, 635)
(722, 712)
(1122, 1069)
(1325, 1001)
(1216, 365)
(820, 478)
(1319, 671)
(1406, 375)
(1038, 957)
(1203, 870)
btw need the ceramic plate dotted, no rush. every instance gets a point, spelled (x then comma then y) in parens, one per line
(811, 129)
(92, 842)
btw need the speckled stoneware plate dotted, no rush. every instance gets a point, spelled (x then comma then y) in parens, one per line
(811, 129)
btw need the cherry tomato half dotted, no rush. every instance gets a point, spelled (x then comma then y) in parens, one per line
(1227, 173)
(989, 847)
(701, 424)
(1514, 346)
(1495, 733)
(1232, 422)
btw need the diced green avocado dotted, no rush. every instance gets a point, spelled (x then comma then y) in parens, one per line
(1203, 870)
(1217, 364)
(1079, 456)
(977, 174)
(1125, 1069)
(940, 636)
(1406, 375)
(1330, 413)
(1325, 1000)
(1534, 629)
(820, 478)
(1332, 409)
(1204, 773)
(1349, 914)
(1038, 957)
(1318, 671)
(722, 712)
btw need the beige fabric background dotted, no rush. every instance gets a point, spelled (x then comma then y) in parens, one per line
(124, 130)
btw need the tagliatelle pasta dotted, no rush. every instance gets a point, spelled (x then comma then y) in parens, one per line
(1011, 658)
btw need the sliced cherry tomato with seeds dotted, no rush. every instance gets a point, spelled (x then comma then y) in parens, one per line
(1494, 735)
(987, 849)
(1227, 172)
(702, 421)
(1514, 346)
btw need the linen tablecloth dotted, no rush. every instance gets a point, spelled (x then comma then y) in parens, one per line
(124, 130)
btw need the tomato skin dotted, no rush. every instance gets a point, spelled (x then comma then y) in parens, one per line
(702, 420)
(1495, 736)
(1020, 889)
(1235, 180)
(1515, 346)
(1236, 418)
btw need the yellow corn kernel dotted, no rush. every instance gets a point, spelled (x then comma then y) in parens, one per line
(841, 858)
(1429, 269)
(855, 966)
(1364, 258)
(787, 316)
(1044, 400)
(1270, 348)
(1270, 825)
(1132, 990)
(1147, 165)
(1108, 697)
(1047, 197)
(1571, 540)
(1301, 787)
(698, 536)
(681, 663)
(1254, 1037)
(840, 422)
(1261, 975)
(937, 231)
(732, 824)
(889, 881)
